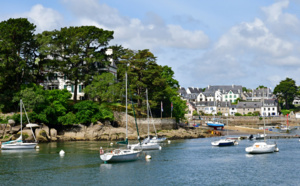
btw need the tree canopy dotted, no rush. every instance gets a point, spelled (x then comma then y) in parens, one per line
(286, 91)
(17, 57)
(77, 52)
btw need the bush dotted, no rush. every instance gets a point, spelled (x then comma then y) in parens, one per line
(238, 114)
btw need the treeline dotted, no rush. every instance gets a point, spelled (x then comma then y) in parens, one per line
(78, 55)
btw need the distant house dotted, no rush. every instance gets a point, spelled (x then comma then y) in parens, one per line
(269, 107)
(258, 94)
(213, 107)
(191, 108)
(248, 106)
(225, 92)
(296, 101)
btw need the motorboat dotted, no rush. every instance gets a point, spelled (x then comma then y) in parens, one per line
(224, 142)
(262, 147)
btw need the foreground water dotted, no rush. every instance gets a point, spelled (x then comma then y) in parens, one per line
(183, 162)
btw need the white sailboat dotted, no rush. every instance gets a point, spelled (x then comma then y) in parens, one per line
(18, 143)
(121, 155)
(146, 143)
(262, 147)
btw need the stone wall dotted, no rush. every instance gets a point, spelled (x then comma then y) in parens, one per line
(160, 124)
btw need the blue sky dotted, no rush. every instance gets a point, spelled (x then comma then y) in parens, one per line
(248, 43)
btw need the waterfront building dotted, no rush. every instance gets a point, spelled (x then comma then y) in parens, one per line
(269, 107)
(248, 106)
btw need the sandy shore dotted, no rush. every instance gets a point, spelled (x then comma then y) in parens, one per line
(239, 130)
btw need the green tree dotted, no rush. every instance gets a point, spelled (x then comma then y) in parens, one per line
(31, 96)
(17, 57)
(77, 52)
(55, 106)
(103, 88)
(89, 112)
(286, 91)
(261, 87)
(143, 72)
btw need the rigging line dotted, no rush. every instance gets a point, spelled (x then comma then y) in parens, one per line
(28, 119)
(134, 115)
(152, 120)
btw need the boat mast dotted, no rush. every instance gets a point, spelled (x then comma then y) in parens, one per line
(264, 116)
(126, 109)
(21, 117)
(148, 113)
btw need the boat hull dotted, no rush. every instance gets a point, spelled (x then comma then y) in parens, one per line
(122, 156)
(148, 146)
(18, 146)
(223, 142)
(157, 140)
(261, 148)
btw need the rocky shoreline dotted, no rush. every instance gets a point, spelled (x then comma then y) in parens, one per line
(116, 131)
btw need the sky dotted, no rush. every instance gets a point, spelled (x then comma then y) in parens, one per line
(215, 42)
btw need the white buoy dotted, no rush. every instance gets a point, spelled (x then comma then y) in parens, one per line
(169, 141)
(111, 144)
(148, 156)
(37, 147)
(61, 152)
(160, 148)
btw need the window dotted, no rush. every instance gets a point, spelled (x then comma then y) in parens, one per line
(226, 96)
(234, 96)
(65, 86)
(80, 88)
(72, 88)
(273, 108)
(230, 96)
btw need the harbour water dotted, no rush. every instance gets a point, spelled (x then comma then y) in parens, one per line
(183, 162)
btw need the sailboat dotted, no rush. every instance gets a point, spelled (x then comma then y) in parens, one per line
(262, 147)
(18, 143)
(155, 139)
(225, 142)
(146, 143)
(121, 155)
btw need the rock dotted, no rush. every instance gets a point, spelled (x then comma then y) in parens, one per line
(53, 134)
(11, 122)
(41, 135)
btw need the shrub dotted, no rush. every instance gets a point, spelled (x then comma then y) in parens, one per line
(238, 114)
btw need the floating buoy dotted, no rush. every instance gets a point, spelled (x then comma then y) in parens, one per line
(37, 147)
(61, 152)
(159, 147)
(169, 141)
(111, 144)
(148, 156)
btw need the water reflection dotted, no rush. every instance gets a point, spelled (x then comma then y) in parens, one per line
(104, 166)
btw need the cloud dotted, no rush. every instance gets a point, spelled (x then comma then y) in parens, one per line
(151, 33)
(281, 23)
(44, 18)
(251, 52)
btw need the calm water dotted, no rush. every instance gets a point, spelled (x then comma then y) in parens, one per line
(183, 162)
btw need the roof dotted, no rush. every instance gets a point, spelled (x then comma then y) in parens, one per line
(249, 104)
(225, 88)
